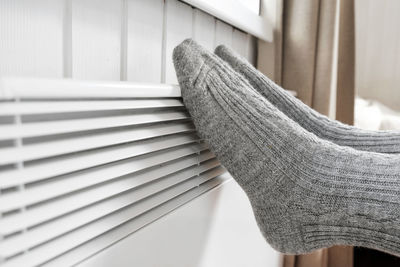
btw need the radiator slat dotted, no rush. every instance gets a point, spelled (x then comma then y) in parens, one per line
(41, 234)
(37, 88)
(102, 241)
(72, 163)
(73, 239)
(80, 143)
(84, 198)
(81, 180)
(45, 107)
(67, 126)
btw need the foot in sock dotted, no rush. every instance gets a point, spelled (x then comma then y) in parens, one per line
(306, 193)
(309, 119)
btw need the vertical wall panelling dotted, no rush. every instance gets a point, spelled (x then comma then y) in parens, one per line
(145, 25)
(251, 49)
(178, 27)
(237, 14)
(223, 34)
(124, 41)
(31, 38)
(67, 39)
(239, 42)
(96, 39)
(204, 29)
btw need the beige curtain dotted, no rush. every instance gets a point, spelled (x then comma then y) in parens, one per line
(313, 54)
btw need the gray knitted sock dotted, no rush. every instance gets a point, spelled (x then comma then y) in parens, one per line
(306, 192)
(309, 119)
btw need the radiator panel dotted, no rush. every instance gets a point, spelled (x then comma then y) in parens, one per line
(76, 166)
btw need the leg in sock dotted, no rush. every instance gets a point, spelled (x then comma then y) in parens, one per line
(309, 119)
(306, 192)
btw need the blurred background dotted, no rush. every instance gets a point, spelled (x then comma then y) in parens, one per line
(377, 64)
(377, 84)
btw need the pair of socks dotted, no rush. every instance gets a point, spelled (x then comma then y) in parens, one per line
(312, 182)
(306, 117)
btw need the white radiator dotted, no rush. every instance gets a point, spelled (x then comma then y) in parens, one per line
(84, 164)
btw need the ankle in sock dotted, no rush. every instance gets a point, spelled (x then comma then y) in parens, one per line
(306, 193)
(320, 125)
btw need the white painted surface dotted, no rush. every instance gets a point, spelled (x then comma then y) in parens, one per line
(178, 27)
(253, 5)
(204, 29)
(68, 88)
(238, 14)
(216, 229)
(223, 34)
(31, 38)
(144, 41)
(239, 42)
(96, 39)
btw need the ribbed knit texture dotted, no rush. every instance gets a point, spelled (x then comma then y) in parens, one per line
(309, 119)
(306, 192)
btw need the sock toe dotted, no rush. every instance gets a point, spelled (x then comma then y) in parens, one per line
(222, 51)
(192, 63)
(189, 59)
(228, 55)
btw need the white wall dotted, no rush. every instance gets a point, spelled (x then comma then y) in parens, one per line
(105, 39)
